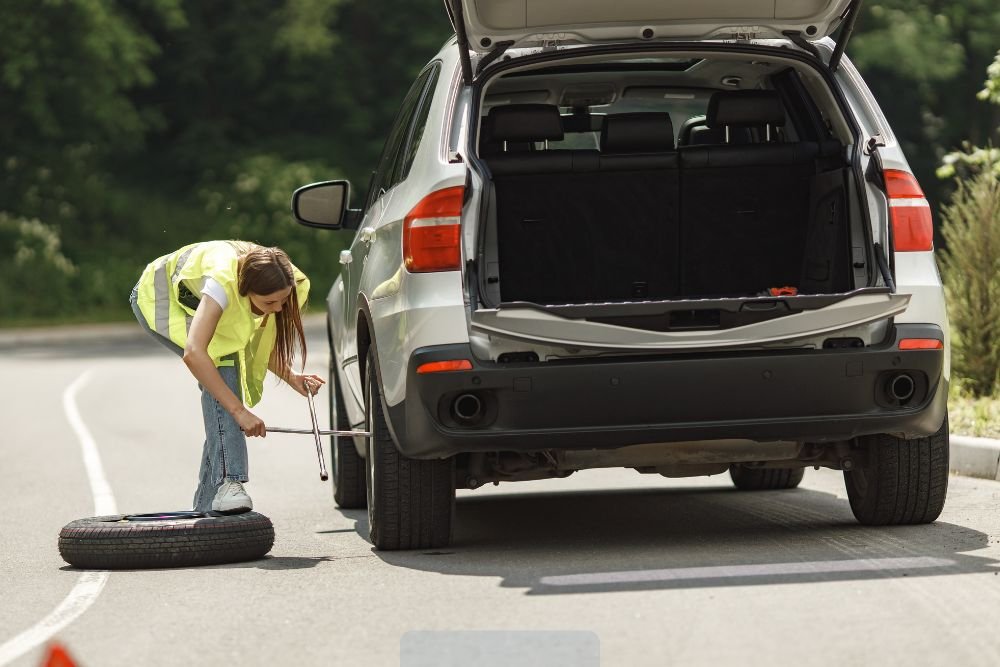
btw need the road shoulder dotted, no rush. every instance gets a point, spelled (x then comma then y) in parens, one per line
(975, 457)
(35, 337)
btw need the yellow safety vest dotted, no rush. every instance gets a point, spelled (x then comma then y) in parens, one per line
(239, 331)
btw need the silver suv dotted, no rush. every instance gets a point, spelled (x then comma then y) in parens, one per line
(674, 237)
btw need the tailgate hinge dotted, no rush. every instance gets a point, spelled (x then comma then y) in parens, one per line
(798, 40)
(874, 143)
(495, 53)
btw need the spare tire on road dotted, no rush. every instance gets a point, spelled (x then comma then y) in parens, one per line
(168, 539)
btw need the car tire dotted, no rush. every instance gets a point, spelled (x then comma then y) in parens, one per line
(903, 482)
(410, 501)
(765, 479)
(348, 467)
(168, 539)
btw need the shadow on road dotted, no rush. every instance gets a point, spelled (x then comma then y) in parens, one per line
(554, 543)
(265, 563)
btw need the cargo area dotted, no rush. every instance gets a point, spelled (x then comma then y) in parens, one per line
(636, 181)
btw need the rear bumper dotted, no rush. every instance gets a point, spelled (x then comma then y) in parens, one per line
(804, 395)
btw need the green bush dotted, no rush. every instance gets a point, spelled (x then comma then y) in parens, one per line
(36, 275)
(81, 262)
(971, 267)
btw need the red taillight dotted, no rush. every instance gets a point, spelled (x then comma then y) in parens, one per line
(902, 185)
(431, 239)
(921, 344)
(442, 366)
(912, 228)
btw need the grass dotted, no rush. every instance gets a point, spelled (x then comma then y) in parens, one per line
(978, 417)
(96, 316)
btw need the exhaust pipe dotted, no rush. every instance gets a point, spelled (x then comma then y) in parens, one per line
(901, 387)
(467, 408)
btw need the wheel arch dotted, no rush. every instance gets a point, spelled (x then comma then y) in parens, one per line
(366, 343)
(363, 337)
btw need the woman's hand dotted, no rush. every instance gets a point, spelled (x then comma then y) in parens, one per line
(301, 383)
(250, 423)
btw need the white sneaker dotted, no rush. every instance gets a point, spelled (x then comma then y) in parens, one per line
(231, 497)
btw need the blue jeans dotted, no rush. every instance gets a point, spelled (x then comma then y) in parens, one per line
(224, 455)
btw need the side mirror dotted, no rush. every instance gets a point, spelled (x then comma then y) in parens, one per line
(321, 204)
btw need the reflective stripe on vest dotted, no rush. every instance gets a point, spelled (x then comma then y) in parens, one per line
(162, 324)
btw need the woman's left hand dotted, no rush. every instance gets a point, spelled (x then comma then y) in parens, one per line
(302, 383)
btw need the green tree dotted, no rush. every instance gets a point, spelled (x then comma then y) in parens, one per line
(924, 61)
(66, 70)
(130, 128)
(973, 159)
(67, 66)
(261, 97)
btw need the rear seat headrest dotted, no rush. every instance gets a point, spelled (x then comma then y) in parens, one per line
(637, 133)
(525, 122)
(684, 135)
(745, 108)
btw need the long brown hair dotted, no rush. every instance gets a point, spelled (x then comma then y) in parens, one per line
(265, 271)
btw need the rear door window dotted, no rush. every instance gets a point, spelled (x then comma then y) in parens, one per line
(382, 181)
(418, 125)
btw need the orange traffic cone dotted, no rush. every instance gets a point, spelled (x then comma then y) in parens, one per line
(58, 657)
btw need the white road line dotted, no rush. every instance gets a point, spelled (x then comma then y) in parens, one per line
(736, 571)
(89, 585)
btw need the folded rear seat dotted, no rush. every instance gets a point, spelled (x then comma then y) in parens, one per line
(746, 210)
(543, 215)
(613, 212)
(648, 222)
(637, 201)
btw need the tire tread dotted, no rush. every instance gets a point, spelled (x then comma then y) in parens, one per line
(907, 480)
(109, 543)
(349, 475)
(414, 506)
(765, 479)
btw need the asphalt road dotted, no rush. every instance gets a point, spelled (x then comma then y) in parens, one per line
(645, 570)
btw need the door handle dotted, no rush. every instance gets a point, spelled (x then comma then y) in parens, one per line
(345, 257)
(368, 235)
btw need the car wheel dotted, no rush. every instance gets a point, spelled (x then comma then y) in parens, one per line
(348, 467)
(410, 501)
(902, 482)
(165, 539)
(765, 479)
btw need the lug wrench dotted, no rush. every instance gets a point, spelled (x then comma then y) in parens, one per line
(322, 431)
(323, 476)
(316, 431)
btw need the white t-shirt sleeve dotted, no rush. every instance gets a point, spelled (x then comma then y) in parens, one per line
(213, 289)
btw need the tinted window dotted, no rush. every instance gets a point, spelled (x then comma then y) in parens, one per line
(382, 180)
(416, 132)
